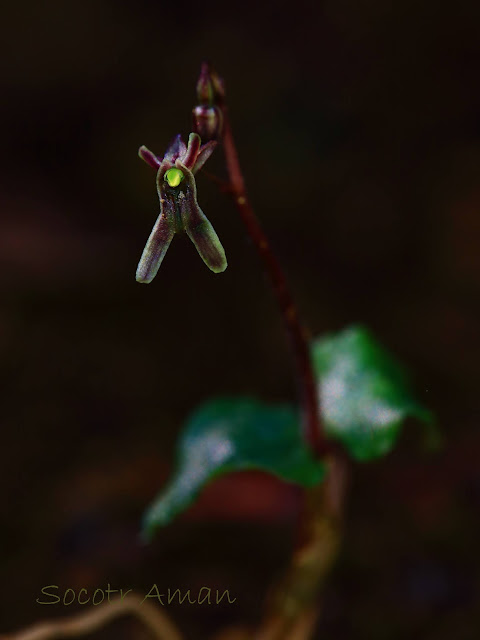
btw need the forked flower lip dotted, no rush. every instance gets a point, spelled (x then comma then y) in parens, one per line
(179, 209)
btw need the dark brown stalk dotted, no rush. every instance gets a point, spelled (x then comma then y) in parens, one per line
(313, 431)
(293, 607)
(295, 603)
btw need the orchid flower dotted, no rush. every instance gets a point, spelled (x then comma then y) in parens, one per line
(179, 210)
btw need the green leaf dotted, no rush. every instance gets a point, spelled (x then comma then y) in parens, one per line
(364, 393)
(231, 434)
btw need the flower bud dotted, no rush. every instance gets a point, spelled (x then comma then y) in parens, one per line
(207, 122)
(210, 89)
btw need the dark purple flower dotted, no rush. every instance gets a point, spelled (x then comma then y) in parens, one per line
(179, 210)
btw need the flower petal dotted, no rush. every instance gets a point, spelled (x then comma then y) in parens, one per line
(198, 227)
(193, 148)
(149, 157)
(176, 149)
(155, 249)
(203, 155)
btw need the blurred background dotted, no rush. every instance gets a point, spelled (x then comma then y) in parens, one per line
(357, 124)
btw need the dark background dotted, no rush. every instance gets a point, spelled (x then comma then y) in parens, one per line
(358, 128)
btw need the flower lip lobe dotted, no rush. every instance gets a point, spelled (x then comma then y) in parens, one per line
(174, 176)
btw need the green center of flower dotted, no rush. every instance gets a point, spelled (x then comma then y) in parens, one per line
(174, 176)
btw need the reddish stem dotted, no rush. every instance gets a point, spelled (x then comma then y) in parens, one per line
(313, 430)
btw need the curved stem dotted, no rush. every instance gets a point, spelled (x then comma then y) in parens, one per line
(313, 430)
(95, 618)
(295, 604)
